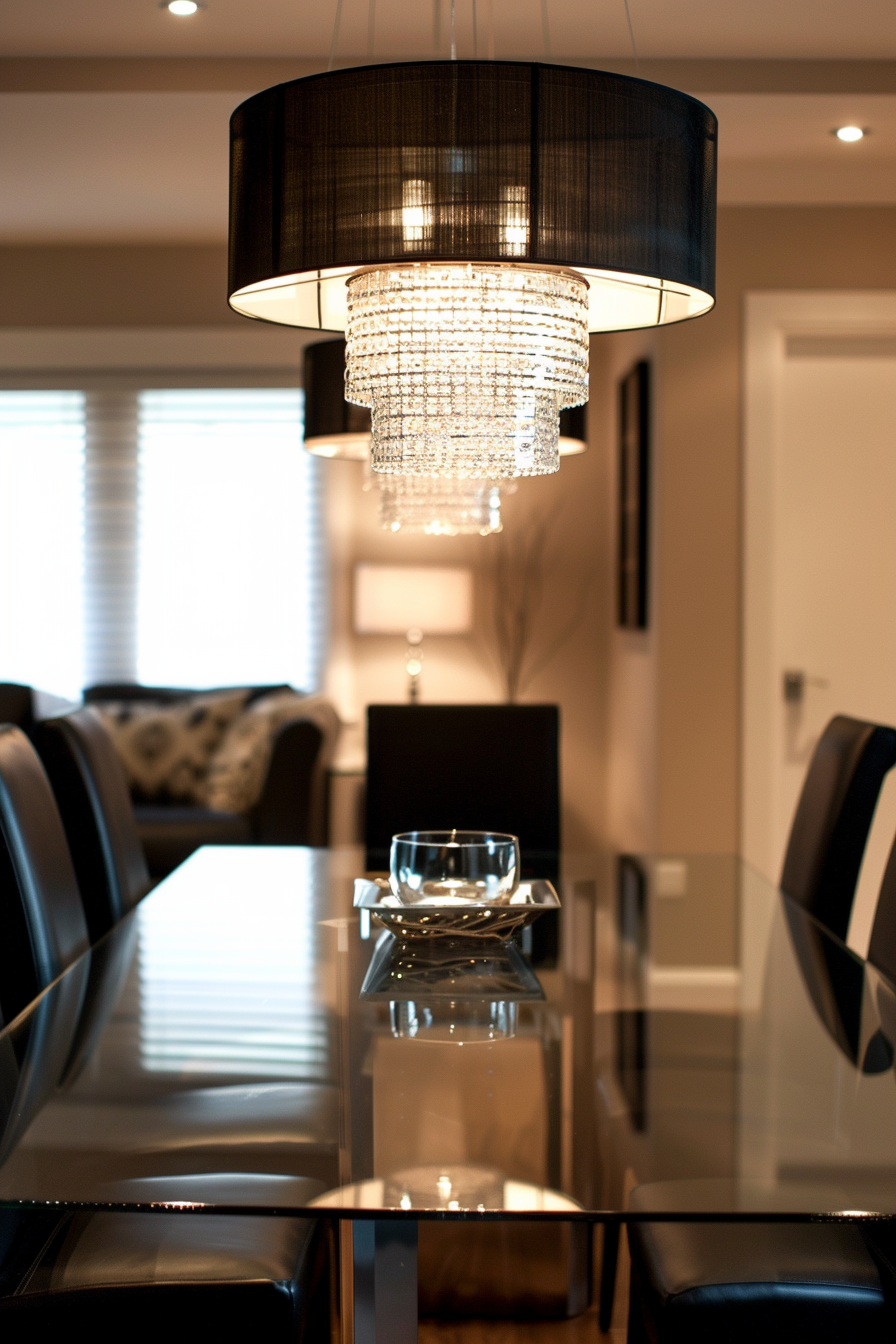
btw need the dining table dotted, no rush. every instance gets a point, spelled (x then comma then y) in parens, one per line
(254, 1038)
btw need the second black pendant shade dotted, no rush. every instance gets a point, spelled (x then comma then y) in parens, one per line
(336, 428)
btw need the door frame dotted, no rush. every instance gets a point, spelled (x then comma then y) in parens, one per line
(770, 317)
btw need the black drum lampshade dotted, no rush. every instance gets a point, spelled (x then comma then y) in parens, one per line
(333, 426)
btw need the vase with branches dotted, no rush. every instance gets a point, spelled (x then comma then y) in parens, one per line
(526, 633)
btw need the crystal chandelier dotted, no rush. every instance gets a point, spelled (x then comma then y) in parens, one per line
(466, 368)
(439, 507)
(435, 506)
(467, 224)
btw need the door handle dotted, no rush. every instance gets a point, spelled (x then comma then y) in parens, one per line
(795, 682)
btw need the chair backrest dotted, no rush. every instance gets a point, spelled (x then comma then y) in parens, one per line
(833, 817)
(882, 944)
(16, 704)
(91, 790)
(43, 925)
(474, 767)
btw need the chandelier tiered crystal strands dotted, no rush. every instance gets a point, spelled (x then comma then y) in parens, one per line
(435, 506)
(336, 429)
(466, 367)
(440, 506)
(467, 223)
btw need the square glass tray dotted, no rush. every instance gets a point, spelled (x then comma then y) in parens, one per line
(530, 900)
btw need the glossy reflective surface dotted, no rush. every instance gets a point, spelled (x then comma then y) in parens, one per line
(246, 1039)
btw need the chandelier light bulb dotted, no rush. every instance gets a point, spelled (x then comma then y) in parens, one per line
(182, 8)
(850, 134)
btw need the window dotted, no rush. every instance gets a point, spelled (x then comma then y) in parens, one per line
(229, 551)
(41, 539)
(171, 536)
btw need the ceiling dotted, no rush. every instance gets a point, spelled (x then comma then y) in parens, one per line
(803, 29)
(95, 157)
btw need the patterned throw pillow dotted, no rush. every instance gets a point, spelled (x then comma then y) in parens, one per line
(166, 749)
(238, 769)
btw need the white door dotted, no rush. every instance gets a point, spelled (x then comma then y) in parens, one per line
(820, 552)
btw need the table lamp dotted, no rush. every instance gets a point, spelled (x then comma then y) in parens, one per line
(413, 601)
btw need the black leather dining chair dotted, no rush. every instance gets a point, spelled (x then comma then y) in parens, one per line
(473, 767)
(705, 1282)
(42, 925)
(830, 827)
(143, 1275)
(882, 944)
(92, 795)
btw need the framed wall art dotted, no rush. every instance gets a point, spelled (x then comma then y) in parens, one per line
(634, 498)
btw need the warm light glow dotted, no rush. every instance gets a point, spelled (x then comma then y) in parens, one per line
(416, 212)
(393, 599)
(466, 367)
(182, 8)
(515, 225)
(616, 301)
(343, 447)
(850, 134)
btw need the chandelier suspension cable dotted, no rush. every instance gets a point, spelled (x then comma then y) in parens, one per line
(371, 27)
(436, 27)
(475, 38)
(546, 30)
(490, 28)
(453, 33)
(631, 33)
(337, 19)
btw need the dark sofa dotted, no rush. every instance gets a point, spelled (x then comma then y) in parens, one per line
(292, 808)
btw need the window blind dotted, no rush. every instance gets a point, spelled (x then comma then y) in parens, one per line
(42, 539)
(231, 584)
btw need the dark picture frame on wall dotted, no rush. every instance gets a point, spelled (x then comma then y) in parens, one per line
(634, 497)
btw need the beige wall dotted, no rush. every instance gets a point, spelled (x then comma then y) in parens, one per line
(689, 684)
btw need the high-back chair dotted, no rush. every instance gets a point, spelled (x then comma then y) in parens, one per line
(882, 945)
(469, 767)
(92, 794)
(833, 817)
(474, 767)
(42, 924)
(698, 1282)
(109, 1274)
(17, 704)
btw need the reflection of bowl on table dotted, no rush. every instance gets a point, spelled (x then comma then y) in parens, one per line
(458, 1021)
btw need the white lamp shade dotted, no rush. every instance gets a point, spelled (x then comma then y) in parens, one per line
(392, 599)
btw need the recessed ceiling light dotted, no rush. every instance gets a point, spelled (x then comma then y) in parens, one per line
(850, 134)
(182, 8)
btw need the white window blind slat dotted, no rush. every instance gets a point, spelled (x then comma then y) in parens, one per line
(110, 528)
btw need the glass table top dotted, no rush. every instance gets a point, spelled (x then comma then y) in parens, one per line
(248, 1040)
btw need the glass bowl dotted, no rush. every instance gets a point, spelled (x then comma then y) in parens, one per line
(454, 867)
